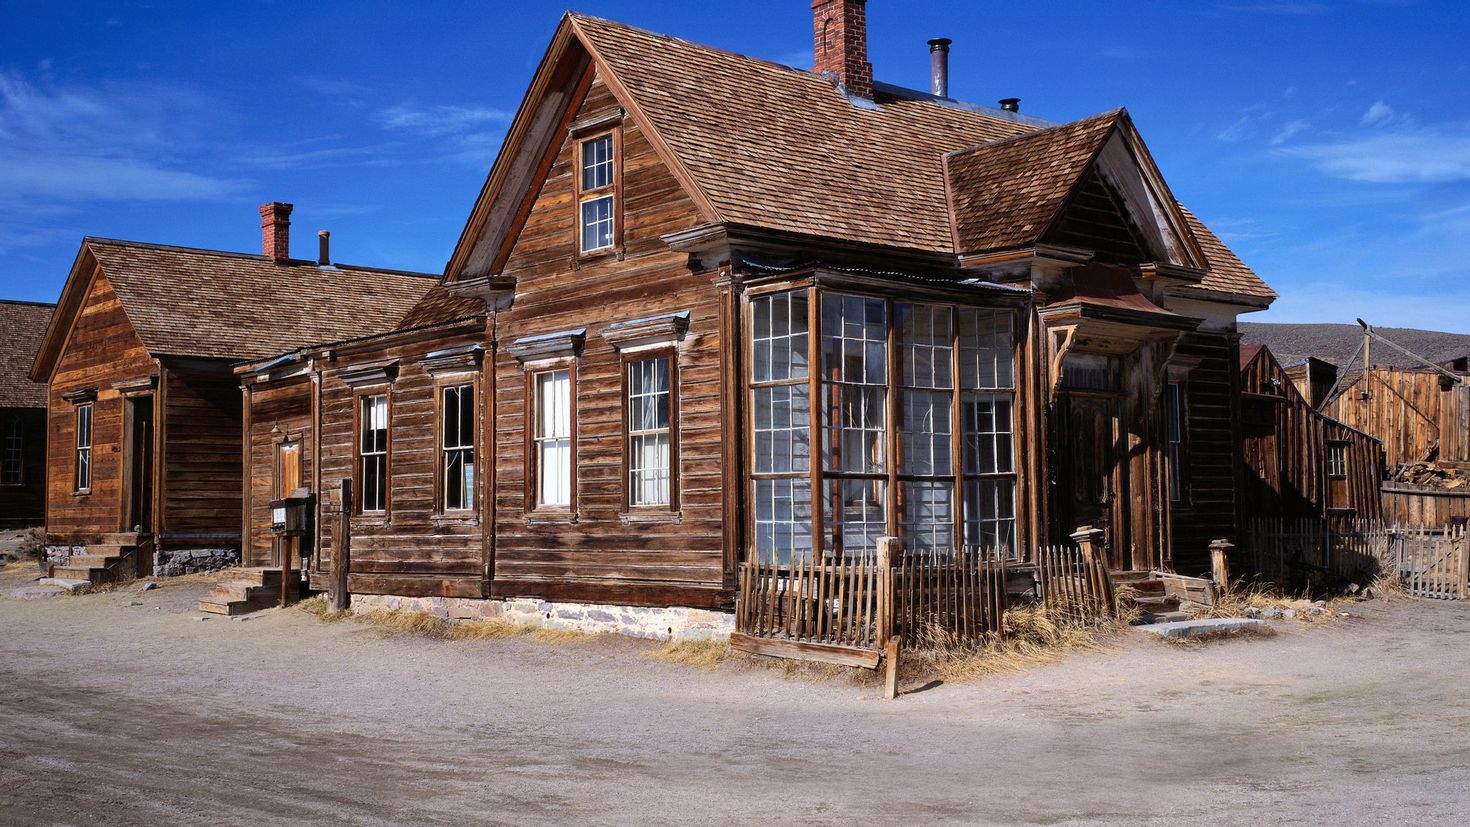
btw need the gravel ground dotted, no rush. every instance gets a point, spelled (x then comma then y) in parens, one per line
(115, 713)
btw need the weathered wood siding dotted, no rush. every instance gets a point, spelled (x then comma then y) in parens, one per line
(1284, 453)
(202, 473)
(25, 504)
(1423, 507)
(412, 549)
(1211, 450)
(603, 557)
(1409, 411)
(283, 409)
(102, 348)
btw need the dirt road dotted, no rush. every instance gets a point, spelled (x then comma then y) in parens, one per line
(139, 714)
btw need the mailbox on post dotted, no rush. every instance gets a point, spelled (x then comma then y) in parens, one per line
(291, 515)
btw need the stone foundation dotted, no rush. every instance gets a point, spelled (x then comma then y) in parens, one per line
(61, 555)
(672, 623)
(172, 562)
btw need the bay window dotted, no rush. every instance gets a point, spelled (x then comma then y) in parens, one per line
(914, 425)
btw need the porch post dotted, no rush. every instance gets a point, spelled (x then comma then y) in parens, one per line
(888, 553)
(1220, 564)
(1089, 540)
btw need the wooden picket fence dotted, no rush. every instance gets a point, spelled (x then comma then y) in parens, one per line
(847, 609)
(1310, 554)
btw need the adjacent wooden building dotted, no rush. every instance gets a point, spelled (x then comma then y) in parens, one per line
(1299, 463)
(22, 415)
(144, 420)
(708, 308)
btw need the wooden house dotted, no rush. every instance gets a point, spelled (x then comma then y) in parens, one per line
(1300, 463)
(708, 307)
(22, 415)
(144, 456)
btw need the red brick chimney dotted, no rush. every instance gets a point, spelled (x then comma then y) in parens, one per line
(841, 28)
(275, 230)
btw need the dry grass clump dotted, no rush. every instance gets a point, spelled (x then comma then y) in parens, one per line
(423, 624)
(1384, 587)
(1260, 601)
(702, 654)
(1034, 636)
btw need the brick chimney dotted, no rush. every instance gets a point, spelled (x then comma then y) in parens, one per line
(841, 29)
(275, 231)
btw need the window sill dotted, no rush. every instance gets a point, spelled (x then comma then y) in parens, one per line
(601, 254)
(370, 519)
(84, 492)
(651, 516)
(550, 517)
(455, 519)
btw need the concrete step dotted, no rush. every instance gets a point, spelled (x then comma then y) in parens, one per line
(1192, 628)
(68, 583)
(1151, 618)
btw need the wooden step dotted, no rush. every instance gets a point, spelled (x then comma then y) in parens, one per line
(1146, 588)
(1160, 603)
(237, 597)
(94, 561)
(95, 576)
(1129, 577)
(222, 606)
(123, 538)
(111, 549)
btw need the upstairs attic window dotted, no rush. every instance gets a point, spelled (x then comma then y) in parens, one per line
(596, 191)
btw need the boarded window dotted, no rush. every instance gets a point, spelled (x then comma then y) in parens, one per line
(373, 453)
(650, 418)
(84, 447)
(553, 437)
(457, 447)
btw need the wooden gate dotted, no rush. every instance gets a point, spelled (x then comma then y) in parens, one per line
(1432, 563)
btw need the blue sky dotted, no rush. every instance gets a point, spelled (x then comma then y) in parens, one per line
(1327, 142)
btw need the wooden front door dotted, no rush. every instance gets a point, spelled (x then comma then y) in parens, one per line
(138, 486)
(1089, 470)
(288, 479)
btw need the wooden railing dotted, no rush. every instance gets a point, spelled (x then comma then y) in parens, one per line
(853, 610)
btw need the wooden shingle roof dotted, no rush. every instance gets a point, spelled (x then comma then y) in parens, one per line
(187, 302)
(1007, 193)
(22, 327)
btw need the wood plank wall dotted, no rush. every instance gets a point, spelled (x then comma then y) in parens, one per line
(202, 474)
(410, 550)
(1211, 449)
(1284, 453)
(102, 348)
(1408, 411)
(286, 407)
(603, 557)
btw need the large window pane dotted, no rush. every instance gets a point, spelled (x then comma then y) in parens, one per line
(928, 515)
(854, 379)
(855, 514)
(990, 515)
(373, 452)
(457, 441)
(780, 337)
(554, 438)
(987, 349)
(648, 431)
(783, 519)
(988, 437)
(782, 429)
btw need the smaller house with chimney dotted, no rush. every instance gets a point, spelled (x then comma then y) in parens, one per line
(22, 415)
(143, 409)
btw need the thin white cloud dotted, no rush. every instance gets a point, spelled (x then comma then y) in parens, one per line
(1403, 157)
(1379, 113)
(1289, 9)
(1289, 131)
(110, 142)
(440, 119)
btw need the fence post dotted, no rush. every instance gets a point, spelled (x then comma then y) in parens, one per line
(1220, 565)
(337, 596)
(888, 553)
(1090, 541)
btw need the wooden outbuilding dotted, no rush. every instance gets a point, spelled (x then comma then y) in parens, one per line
(709, 309)
(1301, 464)
(22, 414)
(144, 456)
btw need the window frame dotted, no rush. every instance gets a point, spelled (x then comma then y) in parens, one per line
(359, 506)
(1336, 450)
(670, 356)
(467, 383)
(80, 485)
(613, 190)
(534, 506)
(15, 432)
